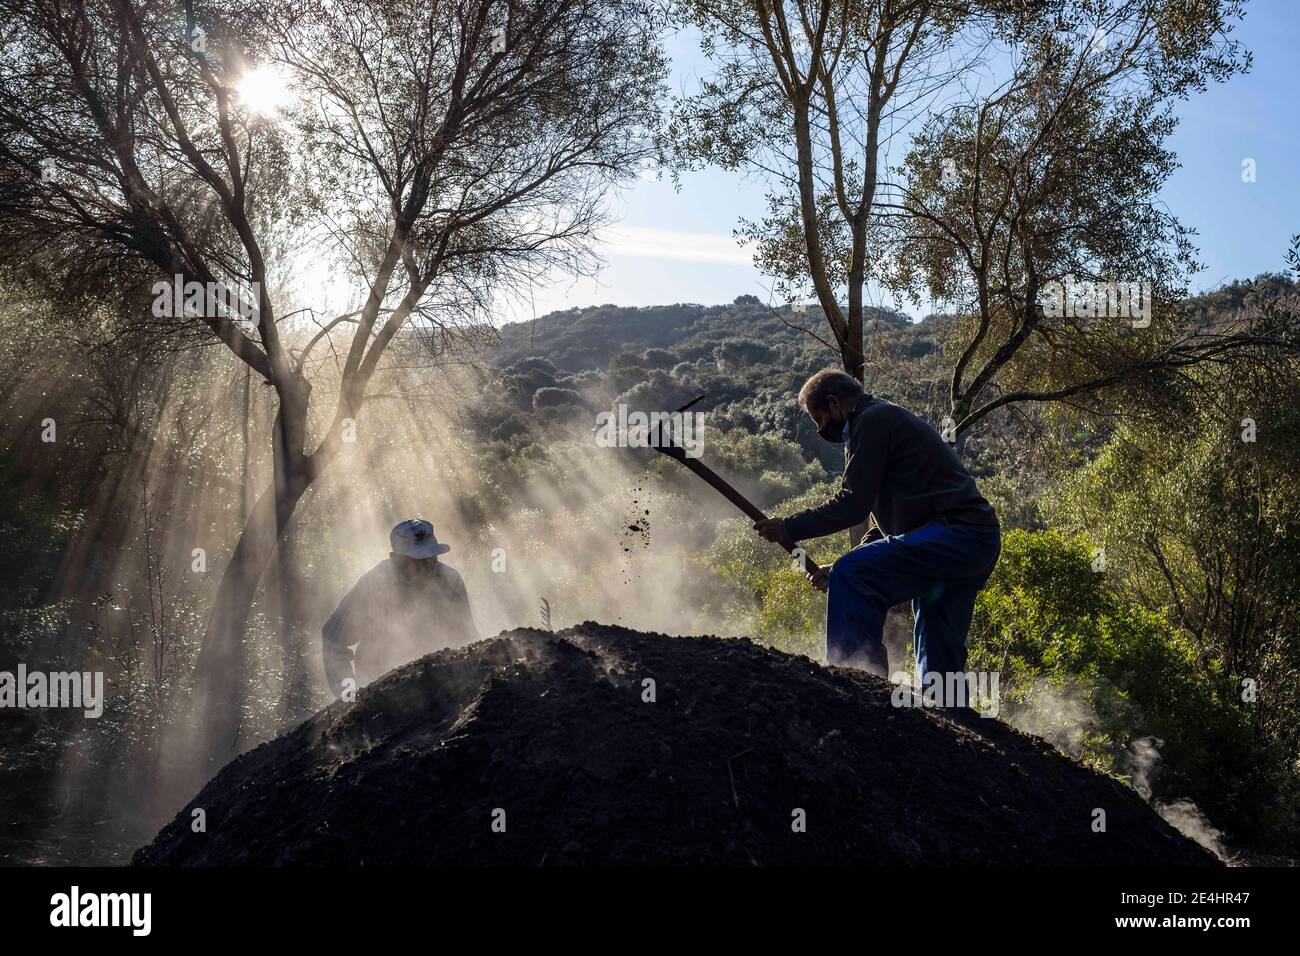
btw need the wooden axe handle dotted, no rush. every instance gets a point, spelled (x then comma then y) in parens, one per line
(735, 497)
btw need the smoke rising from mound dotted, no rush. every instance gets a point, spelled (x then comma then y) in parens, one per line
(600, 745)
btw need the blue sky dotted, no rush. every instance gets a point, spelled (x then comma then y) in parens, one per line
(668, 246)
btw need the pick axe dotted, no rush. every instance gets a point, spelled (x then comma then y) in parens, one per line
(724, 488)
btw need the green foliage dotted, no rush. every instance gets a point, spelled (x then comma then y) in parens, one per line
(556, 397)
(661, 357)
(740, 353)
(770, 467)
(34, 529)
(1206, 528)
(1107, 675)
(1196, 499)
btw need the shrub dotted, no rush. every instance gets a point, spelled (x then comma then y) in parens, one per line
(555, 397)
(1112, 679)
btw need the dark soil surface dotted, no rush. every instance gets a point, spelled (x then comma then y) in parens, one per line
(553, 730)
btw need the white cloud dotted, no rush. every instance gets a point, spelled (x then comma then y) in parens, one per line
(647, 243)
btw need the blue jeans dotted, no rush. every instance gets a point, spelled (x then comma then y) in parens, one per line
(940, 567)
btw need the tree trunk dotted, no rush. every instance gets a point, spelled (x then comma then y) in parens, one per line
(220, 675)
(211, 734)
(960, 408)
(851, 352)
(292, 621)
(244, 429)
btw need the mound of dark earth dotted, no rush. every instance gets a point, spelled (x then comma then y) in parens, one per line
(552, 736)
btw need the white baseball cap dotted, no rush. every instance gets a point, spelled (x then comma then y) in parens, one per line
(415, 539)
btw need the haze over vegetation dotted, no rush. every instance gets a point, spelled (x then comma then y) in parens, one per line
(186, 493)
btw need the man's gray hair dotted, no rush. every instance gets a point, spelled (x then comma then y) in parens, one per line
(829, 383)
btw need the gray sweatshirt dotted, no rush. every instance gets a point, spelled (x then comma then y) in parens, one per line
(898, 470)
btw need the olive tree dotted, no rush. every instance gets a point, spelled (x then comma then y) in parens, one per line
(434, 151)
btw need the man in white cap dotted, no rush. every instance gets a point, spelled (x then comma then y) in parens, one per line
(404, 607)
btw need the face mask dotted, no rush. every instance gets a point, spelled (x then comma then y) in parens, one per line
(832, 431)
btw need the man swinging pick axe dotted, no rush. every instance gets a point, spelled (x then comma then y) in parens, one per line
(934, 540)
